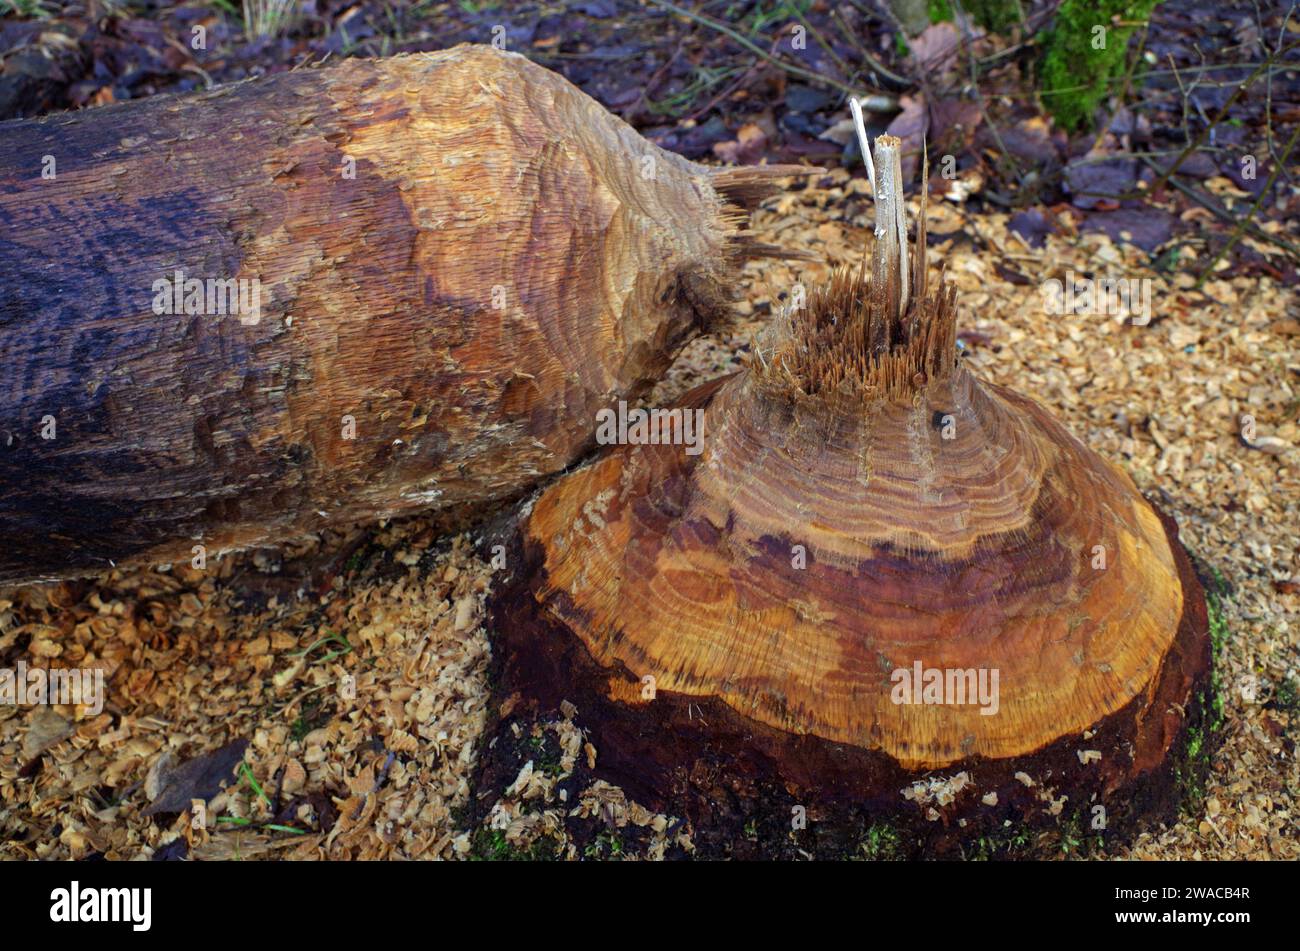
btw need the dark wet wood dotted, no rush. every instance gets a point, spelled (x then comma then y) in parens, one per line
(699, 759)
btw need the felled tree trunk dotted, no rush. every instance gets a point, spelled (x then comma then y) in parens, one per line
(330, 296)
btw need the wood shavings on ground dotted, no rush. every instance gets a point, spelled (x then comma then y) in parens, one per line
(361, 704)
(358, 671)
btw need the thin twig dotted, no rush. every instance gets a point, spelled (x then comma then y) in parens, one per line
(1268, 101)
(642, 103)
(1128, 79)
(901, 83)
(741, 79)
(984, 113)
(821, 41)
(756, 49)
(1223, 111)
(1259, 200)
(1224, 215)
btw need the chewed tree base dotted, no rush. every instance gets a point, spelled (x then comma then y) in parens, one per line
(739, 783)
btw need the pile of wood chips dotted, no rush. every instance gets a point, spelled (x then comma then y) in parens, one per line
(362, 699)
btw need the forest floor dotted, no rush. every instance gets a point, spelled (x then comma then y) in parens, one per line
(230, 677)
(202, 663)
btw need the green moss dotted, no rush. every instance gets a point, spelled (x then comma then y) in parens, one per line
(1073, 835)
(997, 845)
(36, 9)
(1204, 732)
(1075, 76)
(939, 11)
(881, 843)
(1286, 697)
(314, 715)
(604, 845)
(490, 845)
(1192, 771)
(546, 755)
(1218, 626)
(1218, 641)
(461, 815)
(995, 15)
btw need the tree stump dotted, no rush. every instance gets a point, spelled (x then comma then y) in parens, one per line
(883, 591)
